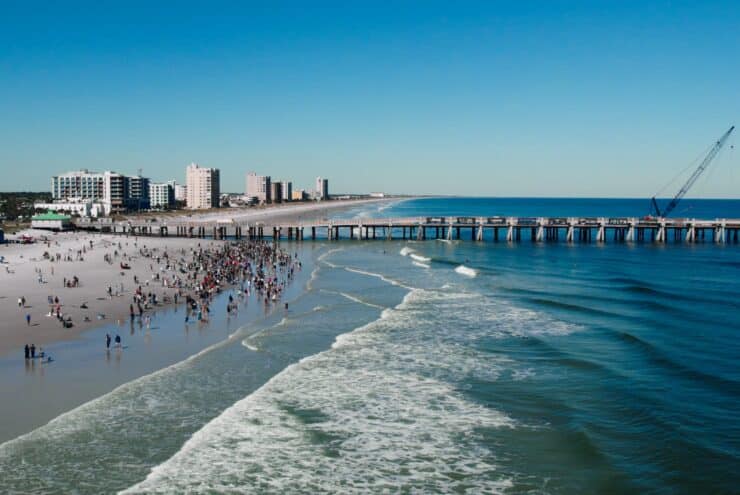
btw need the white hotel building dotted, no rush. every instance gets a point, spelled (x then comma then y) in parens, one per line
(161, 195)
(203, 187)
(259, 187)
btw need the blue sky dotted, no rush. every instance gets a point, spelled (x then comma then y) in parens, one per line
(475, 98)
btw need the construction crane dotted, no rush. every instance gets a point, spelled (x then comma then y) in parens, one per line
(702, 167)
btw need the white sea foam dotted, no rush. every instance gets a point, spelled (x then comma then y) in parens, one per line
(466, 271)
(360, 301)
(405, 251)
(419, 264)
(322, 258)
(422, 259)
(377, 275)
(374, 413)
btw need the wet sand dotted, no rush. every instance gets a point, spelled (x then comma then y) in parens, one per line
(83, 370)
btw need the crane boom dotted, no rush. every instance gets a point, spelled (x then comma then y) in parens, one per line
(700, 169)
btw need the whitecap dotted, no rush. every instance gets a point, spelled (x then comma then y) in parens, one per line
(374, 413)
(405, 251)
(466, 271)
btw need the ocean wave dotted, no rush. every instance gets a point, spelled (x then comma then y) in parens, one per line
(373, 413)
(405, 251)
(420, 264)
(466, 271)
(359, 301)
(422, 259)
(378, 275)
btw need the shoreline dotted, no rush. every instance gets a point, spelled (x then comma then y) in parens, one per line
(279, 212)
(19, 275)
(83, 370)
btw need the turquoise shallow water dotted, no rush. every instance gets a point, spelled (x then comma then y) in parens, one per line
(438, 367)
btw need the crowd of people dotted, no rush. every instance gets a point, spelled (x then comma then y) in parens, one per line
(195, 276)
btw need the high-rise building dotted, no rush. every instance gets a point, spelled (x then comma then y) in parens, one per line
(286, 187)
(259, 187)
(276, 192)
(322, 188)
(161, 195)
(298, 195)
(138, 193)
(81, 184)
(181, 192)
(203, 187)
(116, 191)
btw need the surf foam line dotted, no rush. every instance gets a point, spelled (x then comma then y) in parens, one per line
(249, 341)
(340, 420)
(378, 275)
(322, 257)
(353, 299)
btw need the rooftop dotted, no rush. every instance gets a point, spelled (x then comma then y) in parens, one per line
(49, 215)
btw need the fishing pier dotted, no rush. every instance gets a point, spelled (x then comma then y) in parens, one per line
(480, 229)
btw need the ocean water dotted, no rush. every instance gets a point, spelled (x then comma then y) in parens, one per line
(438, 367)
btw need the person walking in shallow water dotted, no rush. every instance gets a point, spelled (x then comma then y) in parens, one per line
(107, 341)
(27, 351)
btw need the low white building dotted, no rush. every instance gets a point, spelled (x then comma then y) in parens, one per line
(51, 221)
(80, 207)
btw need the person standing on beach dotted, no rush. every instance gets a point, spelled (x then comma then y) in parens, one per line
(33, 351)
(107, 341)
(118, 340)
(28, 319)
(27, 351)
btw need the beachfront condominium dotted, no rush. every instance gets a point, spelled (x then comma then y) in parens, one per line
(181, 192)
(258, 187)
(203, 187)
(78, 185)
(138, 192)
(276, 192)
(286, 188)
(322, 188)
(161, 195)
(116, 191)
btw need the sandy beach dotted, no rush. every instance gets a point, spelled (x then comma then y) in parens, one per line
(287, 212)
(28, 273)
